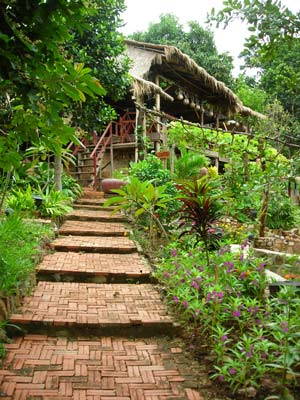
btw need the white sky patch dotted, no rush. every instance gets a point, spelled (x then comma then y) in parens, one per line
(140, 13)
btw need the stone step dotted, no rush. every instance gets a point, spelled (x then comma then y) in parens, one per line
(44, 367)
(94, 244)
(93, 267)
(93, 207)
(90, 308)
(90, 215)
(89, 228)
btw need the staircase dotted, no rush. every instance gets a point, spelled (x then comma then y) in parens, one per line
(96, 156)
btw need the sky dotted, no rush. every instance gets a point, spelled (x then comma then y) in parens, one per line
(140, 13)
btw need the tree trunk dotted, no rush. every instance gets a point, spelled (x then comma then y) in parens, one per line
(264, 210)
(58, 172)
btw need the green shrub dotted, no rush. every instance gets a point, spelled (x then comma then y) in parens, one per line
(188, 165)
(55, 204)
(21, 200)
(281, 213)
(19, 243)
(152, 170)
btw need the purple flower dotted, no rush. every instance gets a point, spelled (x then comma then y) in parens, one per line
(220, 295)
(194, 284)
(284, 326)
(232, 371)
(221, 378)
(173, 252)
(224, 338)
(236, 313)
(200, 269)
(243, 275)
(244, 245)
(185, 304)
(182, 280)
(176, 299)
(261, 266)
(166, 275)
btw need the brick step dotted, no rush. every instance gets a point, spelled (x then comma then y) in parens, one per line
(95, 268)
(93, 207)
(89, 228)
(90, 308)
(91, 202)
(92, 194)
(90, 215)
(44, 367)
(94, 244)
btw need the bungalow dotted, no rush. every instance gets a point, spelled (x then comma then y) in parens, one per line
(166, 85)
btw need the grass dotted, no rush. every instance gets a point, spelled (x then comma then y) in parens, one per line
(20, 247)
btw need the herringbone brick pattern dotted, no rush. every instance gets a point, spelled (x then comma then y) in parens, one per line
(91, 215)
(94, 244)
(41, 367)
(131, 265)
(93, 228)
(88, 304)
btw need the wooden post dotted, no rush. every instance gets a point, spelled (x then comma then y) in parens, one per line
(136, 153)
(172, 158)
(111, 156)
(218, 121)
(58, 172)
(144, 133)
(157, 105)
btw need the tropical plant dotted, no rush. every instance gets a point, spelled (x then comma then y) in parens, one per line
(21, 200)
(188, 165)
(152, 170)
(281, 212)
(142, 198)
(54, 204)
(200, 209)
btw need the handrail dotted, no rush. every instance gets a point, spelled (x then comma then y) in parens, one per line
(100, 140)
(96, 156)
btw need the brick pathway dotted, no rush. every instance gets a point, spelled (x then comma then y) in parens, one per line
(90, 215)
(104, 267)
(94, 244)
(106, 369)
(77, 345)
(93, 228)
(106, 308)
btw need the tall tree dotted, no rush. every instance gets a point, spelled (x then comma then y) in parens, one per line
(273, 45)
(196, 41)
(100, 47)
(39, 81)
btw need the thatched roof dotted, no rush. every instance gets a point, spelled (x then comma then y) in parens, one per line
(169, 62)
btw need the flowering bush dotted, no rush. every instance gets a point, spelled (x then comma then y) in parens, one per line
(247, 330)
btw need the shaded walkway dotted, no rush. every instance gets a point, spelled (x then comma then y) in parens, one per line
(92, 330)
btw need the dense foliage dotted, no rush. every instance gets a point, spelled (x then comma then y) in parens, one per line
(100, 46)
(273, 45)
(41, 80)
